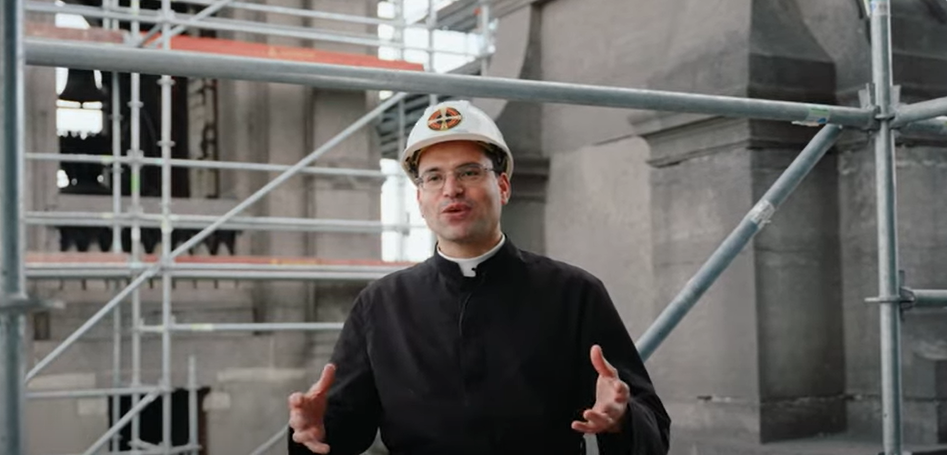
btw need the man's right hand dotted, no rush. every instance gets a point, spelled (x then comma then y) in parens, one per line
(306, 412)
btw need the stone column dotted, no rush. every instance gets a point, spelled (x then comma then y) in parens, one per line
(39, 183)
(517, 55)
(759, 358)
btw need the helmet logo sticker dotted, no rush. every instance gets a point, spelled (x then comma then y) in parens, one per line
(444, 119)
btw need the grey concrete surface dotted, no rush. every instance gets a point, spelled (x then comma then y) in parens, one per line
(40, 137)
(694, 205)
(599, 200)
(802, 380)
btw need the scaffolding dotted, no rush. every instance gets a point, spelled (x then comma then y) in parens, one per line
(880, 115)
(171, 264)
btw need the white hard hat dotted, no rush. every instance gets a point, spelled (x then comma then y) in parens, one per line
(455, 120)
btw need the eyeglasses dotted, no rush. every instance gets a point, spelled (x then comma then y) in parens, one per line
(466, 175)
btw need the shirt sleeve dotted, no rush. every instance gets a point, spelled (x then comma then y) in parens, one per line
(353, 408)
(645, 427)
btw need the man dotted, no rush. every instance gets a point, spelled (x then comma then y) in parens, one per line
(483, 348)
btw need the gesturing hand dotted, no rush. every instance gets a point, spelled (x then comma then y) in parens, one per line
(611, 398)
(306, 412)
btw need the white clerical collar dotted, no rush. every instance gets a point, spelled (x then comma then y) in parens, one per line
(468, 266)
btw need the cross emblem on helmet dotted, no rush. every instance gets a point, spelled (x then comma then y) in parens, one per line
(444, 119)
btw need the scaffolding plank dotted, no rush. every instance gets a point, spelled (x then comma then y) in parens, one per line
(300, 54)
(95, 34)
(225, 47)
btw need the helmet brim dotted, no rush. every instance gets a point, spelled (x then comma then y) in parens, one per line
(412, 155)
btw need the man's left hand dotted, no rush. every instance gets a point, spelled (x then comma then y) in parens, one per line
(611, 399)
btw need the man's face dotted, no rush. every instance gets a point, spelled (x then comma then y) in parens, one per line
(460, 196)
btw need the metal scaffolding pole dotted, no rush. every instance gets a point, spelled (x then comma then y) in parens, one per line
(98, 316)
(935, 126)
(752, 223)
(192, 404)
(116, 183)
(90, 219)
(248, 327)
(286, 268)
(193, 64)
(145, 451)
(200, 164)
(485, 36)
(135, 410)
(888, 279)
(89, 393)
(116, 151)
(431, 27)
(135, 153)
(401, 184)
(283, 276)
(78, 269)
(277, 437)
(920, 111)
(927, 298)
(399, 28)
(217, 275)
(12, 294)
(166, 228)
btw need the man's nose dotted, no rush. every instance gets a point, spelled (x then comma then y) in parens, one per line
(451, 186)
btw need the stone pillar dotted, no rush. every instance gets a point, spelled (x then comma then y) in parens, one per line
(281, 124)
(759, 358)
(341, 198)
(39, 183)
(517, 55)
(243, 136)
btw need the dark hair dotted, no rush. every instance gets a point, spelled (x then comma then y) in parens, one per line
(495, 154)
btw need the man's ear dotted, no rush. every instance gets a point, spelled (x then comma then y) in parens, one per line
(506, 189)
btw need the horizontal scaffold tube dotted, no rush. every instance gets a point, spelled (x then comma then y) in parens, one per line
(920, 111)
(44, 52)
(202, 164)
(104, 219)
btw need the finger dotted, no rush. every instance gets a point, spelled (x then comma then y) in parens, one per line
(582, 427)
(317, 447)
(599, 420)
(311, 440)
(621, 390)
(298, 421)
(295, 400)
(587, 427)
(324, 382)
(601, 365)
(304, 436)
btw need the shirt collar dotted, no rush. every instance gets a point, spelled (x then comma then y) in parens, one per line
(501, 262)
(468, 266)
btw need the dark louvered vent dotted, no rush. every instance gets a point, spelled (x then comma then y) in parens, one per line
(85, 238)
